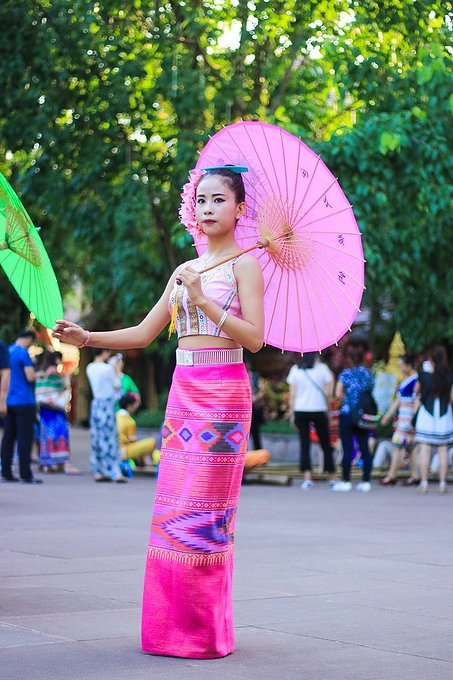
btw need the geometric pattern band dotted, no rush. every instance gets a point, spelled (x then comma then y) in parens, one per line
(201, 465)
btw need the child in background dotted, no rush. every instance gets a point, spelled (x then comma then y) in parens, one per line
(130, 446)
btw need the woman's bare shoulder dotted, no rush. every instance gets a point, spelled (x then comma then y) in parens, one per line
(248, 265)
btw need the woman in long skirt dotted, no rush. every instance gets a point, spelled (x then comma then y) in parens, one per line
(187, 600)
(52, 393)
(105, 384)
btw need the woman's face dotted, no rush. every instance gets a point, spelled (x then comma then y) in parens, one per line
(133, 407)
(405, 369)
(216, 207)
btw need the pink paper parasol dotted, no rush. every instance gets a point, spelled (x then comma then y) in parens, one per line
(313, 267)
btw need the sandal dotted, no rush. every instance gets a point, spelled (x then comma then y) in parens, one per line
(411, 481)
(388, 481)
(71, 470)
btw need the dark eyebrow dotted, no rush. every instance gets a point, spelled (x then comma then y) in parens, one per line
(203, 196)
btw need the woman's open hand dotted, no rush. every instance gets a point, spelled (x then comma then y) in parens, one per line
(192, 281)
(69, 332)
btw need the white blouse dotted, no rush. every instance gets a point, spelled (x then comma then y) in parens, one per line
(104, 382)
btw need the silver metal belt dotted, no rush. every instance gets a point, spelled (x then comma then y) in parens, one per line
(204, 357)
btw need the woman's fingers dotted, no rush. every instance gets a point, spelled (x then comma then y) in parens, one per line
(66, 324)
(63, 329)
(188, 275)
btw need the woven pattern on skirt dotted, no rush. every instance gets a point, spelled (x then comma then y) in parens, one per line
(53, 437)
(404, 433)
(187, 600)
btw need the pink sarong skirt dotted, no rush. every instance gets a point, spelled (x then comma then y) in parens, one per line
(187, 599)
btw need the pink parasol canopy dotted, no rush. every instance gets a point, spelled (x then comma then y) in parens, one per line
(313, 267)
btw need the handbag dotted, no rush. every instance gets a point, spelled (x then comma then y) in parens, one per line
(364, 415)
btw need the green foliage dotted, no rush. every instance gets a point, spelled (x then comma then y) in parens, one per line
(104, 106)
(404, 206)
(150, 419)
(278, 427)
(13, 313)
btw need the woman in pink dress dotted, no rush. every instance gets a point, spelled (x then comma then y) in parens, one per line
(187, 601)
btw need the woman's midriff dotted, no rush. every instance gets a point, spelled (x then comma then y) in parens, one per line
(203, 341)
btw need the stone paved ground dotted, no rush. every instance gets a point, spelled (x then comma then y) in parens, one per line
(328, 587)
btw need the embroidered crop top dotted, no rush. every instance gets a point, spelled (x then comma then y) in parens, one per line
(219, 285)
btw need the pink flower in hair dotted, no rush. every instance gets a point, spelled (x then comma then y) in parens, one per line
(188, 204)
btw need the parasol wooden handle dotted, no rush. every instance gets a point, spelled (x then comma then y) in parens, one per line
(262, 243)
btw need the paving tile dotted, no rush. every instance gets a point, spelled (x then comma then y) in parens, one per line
(33, 600)
(83, 625)
(327, 586)
(14, 635)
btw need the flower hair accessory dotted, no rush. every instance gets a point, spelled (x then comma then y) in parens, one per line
(189, 190)
(188, 204)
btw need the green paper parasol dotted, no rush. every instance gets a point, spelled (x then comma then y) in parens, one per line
(25, 260)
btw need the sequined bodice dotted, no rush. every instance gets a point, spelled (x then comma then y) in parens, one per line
(219, 285)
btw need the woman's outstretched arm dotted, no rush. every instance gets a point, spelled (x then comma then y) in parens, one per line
(125, 338)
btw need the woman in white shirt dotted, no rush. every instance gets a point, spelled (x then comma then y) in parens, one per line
(310, 382)
(105, 383)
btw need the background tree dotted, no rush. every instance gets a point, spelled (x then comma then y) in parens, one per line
(105, 103)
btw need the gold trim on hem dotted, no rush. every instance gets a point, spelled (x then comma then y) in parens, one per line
(194, 559)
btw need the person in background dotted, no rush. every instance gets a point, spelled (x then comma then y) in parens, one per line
(128, 385)
(352, 383)
(5, 375)
(257, 407)
(383, 454)
(404, 434)
(130, 446)
(434, 423)
(52, 396)
(21, 410)
(310, 384)
(105, 382)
